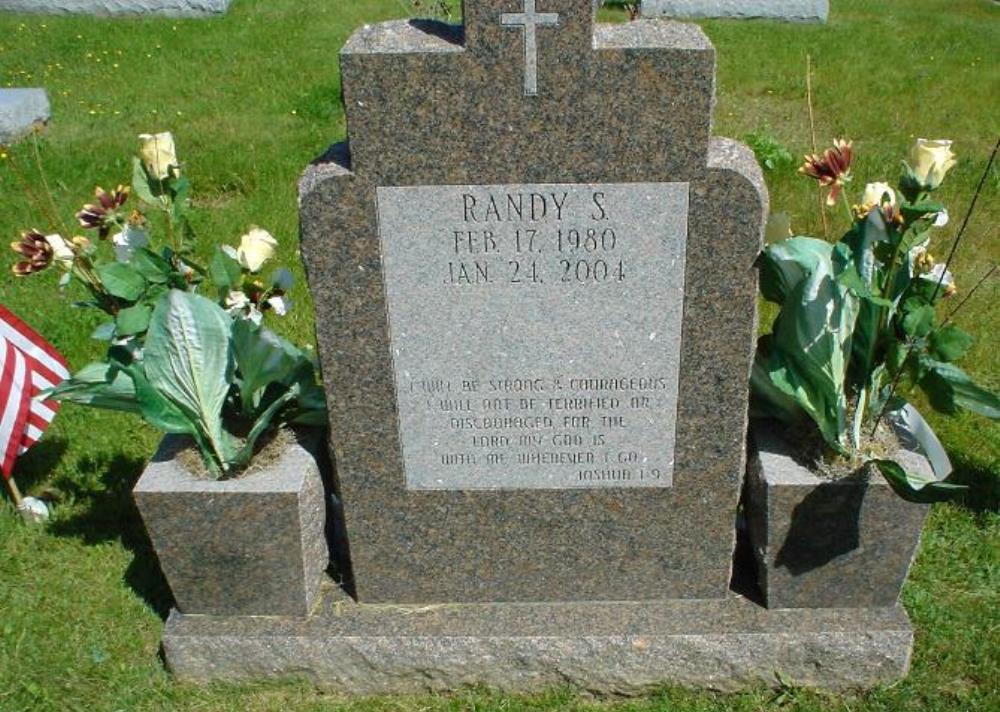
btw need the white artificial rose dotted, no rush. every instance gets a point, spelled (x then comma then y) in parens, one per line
(931, 160)
(129, 240)
(941, 219)
(875, 194)
(62, 253)
(256, 248)
(158, 154)
(280, 305)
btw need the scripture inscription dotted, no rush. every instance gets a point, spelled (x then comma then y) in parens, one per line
(535, 332)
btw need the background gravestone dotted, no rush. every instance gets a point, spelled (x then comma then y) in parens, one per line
(535, 300)
(21, 110)
(788, 10)
(168, 8)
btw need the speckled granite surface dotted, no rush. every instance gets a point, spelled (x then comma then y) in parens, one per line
(629, 103)
(822, 543)
(169, 8)
(254, 545)
(602, 648)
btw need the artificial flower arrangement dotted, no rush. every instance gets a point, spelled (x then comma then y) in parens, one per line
(858, 326)
(202, 366)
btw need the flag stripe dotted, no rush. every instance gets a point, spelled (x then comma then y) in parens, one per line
(15, 408)
(30, 365)
(34, 346)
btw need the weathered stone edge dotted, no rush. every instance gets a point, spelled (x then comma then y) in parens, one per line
(847, 649)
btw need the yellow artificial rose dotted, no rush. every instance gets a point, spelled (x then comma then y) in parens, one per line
(931, 161)
(256, 248)
(158, 154)
(875, 194)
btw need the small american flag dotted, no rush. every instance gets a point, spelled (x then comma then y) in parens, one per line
(28, 365)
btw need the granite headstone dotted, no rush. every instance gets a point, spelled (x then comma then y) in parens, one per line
(535, 300)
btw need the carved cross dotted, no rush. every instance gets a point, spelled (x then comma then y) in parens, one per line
(529, 20)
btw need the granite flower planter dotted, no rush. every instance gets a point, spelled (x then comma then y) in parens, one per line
(821, 543)
(255, 545)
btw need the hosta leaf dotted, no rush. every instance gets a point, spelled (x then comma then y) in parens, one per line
(99, 385)
(785, 265)
(262, 357)
(812, 341)
(189, 360)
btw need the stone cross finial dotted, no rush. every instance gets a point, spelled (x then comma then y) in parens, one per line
(529, 19)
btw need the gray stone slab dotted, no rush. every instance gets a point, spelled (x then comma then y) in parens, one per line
(537, 265)
(819, 542)
(788, 10)
(603, 648)
(167, 8)
(432, 105)
(20, 111)
(254, 545)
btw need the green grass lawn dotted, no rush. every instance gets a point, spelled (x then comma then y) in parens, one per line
(251, 98)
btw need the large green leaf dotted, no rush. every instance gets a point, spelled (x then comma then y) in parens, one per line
(916, 487)
(783, 266)
(98, 385)
(157, 410)
(262, 358)
(812, 335)
(189, 361)
(766, 399)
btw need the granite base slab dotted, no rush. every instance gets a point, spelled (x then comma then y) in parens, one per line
(20, 111)
(603, 648)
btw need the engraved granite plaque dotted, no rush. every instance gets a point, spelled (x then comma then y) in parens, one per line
(535, 332)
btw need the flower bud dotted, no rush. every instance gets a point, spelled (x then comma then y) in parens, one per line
(158, 154)
(931, 161)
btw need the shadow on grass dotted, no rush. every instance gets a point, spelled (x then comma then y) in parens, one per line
(103, 510)
(984, 486)
(34, 467)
